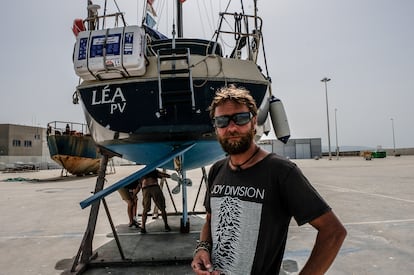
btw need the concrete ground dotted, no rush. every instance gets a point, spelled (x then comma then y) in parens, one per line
(42, 224)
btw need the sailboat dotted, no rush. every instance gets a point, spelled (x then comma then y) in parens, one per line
(146, 93)
(146, 96)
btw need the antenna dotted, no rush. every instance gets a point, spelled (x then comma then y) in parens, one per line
(93, 8)
(92, 15)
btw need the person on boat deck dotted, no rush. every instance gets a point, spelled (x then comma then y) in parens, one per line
(151, 189)
(251, 198)
(129, 195)
(49, 129)
(67, 130)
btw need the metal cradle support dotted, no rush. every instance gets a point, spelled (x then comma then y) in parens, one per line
(85, 253)
(203, 179)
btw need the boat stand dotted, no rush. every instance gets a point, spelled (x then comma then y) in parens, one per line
(203, 179)
(85, 253)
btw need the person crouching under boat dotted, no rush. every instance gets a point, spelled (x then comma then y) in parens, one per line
(129, 195)
(151, 190)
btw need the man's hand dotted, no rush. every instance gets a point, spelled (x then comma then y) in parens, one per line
(201, 264)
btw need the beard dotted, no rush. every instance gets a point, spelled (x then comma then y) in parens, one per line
(234, 147)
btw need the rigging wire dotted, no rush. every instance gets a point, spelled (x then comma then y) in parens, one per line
(199, 11)
(120, 13)
(117, 7)
(161, 7)
(212, 15)
(246, 24)
(265, 60)
(144, 12)
(242, 6)
(164, 6)
(227, 8)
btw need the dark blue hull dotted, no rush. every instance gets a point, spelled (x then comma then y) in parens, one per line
(133, 108)
(125, 117)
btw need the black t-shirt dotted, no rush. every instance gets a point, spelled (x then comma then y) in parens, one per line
(251, 210)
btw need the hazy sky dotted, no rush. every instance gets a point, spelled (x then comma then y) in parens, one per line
(366, 47)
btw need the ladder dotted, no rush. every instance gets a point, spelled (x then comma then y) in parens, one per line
(174, 94)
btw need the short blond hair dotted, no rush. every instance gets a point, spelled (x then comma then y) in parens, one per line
(238, 95)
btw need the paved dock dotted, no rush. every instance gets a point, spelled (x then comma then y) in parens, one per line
(42, 224)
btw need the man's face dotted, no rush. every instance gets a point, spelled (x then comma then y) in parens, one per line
(234, 139)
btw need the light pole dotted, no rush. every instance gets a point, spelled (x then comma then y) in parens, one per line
(336, 136)
(325, 79)
(393, 135)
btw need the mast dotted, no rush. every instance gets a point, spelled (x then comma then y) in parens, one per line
(179, 18)
(257, 35)
(255, 14)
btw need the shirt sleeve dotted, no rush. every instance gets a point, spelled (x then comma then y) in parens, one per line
(304, 202)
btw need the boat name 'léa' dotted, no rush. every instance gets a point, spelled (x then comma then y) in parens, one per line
(117, 101)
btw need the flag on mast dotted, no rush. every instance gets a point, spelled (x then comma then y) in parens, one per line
(150, 21)
(150, 8)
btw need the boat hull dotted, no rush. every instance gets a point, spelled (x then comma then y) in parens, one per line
(77, 154)
(146, 117)
(126, 119)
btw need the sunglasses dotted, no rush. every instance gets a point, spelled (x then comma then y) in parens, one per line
(239, 119)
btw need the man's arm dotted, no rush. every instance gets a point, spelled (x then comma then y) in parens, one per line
(201, 263)
(162, 175)
(331, 234)
(205, 234)
(137, 189)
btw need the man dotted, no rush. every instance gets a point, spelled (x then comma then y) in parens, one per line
(129, 195)
(151, 189)
(251, 198)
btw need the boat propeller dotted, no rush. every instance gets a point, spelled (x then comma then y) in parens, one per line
(180, 181)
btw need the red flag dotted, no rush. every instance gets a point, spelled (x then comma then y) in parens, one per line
(182, 1)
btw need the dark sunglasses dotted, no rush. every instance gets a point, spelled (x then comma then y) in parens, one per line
(239, 119)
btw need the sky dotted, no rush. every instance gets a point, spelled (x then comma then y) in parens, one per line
(365, 47)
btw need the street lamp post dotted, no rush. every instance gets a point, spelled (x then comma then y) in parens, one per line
(393, 135)
(325, 79)
(336, 136)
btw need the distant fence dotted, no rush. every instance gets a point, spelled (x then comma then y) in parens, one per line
(343, 153)
(400, 151)
(390, 152)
